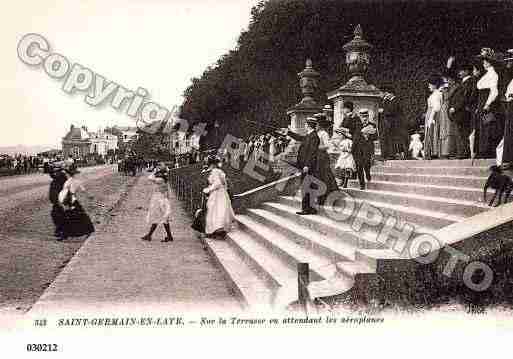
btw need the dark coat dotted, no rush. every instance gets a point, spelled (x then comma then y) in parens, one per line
(56, 186)
(393, 128)
(308, 150)
(362, 148)
(463, 100)
(368, 143)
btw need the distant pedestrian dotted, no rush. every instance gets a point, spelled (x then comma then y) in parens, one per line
(159, 211)
(58, 179)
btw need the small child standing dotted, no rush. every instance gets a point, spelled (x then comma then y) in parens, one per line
(345, 165)
(416, 147)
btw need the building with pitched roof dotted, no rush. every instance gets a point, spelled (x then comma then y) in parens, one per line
(80, 143)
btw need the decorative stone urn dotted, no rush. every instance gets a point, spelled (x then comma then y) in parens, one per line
(356, 89)
(308, 106)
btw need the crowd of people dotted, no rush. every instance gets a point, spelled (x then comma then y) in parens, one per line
(22, 164)
(469, 111)
(271, 144)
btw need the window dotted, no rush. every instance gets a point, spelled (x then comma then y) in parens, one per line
(75, 151)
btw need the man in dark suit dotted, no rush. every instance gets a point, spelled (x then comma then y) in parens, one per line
(460, 108)
(363, 144)
(307, 161)
(370, 134)
(392, 127)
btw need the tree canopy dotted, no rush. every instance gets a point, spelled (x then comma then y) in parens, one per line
(254, 84)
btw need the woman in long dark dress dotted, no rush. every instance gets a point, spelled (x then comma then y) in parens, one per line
(76, 221)
(490, 123)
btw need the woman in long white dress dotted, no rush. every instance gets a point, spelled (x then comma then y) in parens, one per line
(159, 211)
(220, 215)
(432, 121)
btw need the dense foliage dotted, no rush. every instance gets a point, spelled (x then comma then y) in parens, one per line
(257, 81)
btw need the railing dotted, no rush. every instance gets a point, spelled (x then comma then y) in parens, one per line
(189, 190)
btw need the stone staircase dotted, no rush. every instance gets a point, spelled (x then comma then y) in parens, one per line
(260, 256)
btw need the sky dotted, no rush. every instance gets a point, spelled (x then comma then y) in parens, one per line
(158, 45)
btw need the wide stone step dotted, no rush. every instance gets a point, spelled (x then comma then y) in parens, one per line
(441, 163)
(287, 250)
(405, 214)
(335, 230)
(437, 180)
(266, 264)
(332, 248)
(432, 203)
(463, 193)
(253, 291)
(436, 171)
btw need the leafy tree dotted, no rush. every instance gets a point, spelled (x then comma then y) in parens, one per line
(252, 85)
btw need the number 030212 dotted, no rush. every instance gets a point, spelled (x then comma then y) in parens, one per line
(42, 347)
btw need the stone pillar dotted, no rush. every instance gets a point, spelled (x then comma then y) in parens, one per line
(356, 89)
(307, 107)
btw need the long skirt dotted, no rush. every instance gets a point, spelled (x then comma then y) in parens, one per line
(220, 215)
(58, 217)
(490, 135)
(76, 222)
(432, 139)
(507, 156)
(447, 136)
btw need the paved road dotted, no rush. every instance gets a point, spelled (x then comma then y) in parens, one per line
(112, 267)
(30, 257)
(115, 270)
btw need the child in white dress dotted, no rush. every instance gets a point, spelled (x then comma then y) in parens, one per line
(416, 147)
(345, 165)
(159, 210)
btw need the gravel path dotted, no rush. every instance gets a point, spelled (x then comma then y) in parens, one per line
(30, 257)
(116, 269)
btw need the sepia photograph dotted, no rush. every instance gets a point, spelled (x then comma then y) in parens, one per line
(196, 168)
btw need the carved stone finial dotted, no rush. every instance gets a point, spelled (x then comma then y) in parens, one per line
(358, 32)
(308, 83)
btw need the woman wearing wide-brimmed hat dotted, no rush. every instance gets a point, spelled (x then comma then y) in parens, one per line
(76, 221)
(220, 215)
(489, 126)
(432, 118)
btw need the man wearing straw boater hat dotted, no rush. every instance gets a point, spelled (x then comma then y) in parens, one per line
(370, 134)
(364, 133)
(307, 161)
